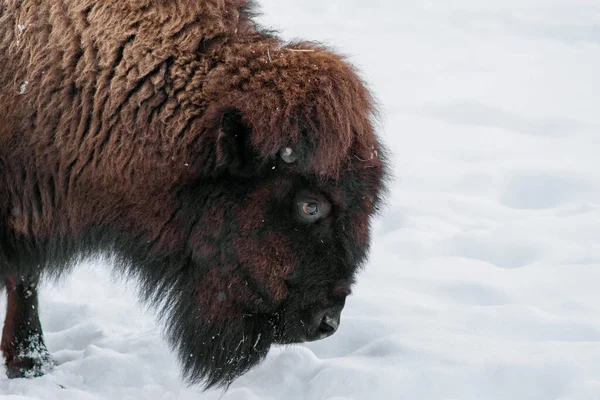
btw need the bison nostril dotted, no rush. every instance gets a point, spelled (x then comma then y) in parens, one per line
(328, 325)
(323, 324)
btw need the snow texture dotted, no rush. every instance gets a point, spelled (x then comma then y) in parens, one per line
(484, 275)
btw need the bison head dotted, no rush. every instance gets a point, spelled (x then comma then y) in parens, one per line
(273, 236)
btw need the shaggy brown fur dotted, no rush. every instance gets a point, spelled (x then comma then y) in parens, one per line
(153, 127)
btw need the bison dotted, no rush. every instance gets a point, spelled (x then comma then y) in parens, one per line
(233, 174)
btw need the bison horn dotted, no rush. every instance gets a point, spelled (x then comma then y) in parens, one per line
(287, 155)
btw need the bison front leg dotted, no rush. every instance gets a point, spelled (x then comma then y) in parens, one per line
(23, 345)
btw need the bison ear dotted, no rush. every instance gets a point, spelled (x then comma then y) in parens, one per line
(234, 151)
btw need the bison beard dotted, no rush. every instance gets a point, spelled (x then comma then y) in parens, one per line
(232, 174)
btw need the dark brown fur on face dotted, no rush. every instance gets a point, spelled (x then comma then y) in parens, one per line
(152, 130)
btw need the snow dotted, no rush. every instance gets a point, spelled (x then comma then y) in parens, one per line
(483, 279)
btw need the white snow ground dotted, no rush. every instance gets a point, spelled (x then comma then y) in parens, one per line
(483, 281)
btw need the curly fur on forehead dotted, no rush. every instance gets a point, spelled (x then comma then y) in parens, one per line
(154, 130)
(297, 94)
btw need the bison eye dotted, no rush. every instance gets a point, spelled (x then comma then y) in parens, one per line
(311, 210)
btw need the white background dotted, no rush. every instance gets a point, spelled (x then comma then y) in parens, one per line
(485, 271)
